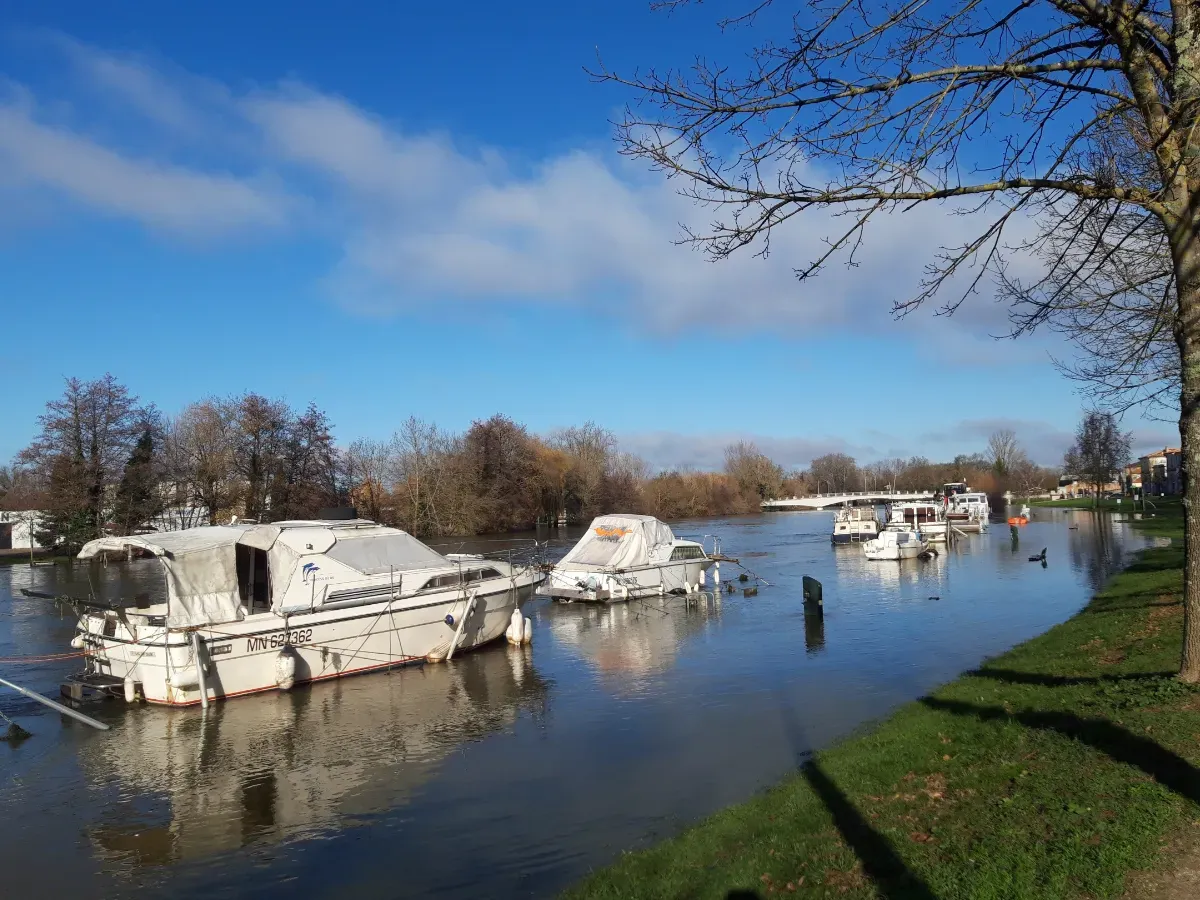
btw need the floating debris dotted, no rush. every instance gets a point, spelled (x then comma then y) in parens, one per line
(14, 734)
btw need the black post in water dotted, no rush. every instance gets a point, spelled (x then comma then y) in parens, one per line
(814, 615)
(812, 596)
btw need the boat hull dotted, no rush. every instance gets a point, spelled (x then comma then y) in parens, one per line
(630, 584)
(854, 537)
(243, 657)
(968, 524)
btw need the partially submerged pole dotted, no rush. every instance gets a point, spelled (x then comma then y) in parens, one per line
(197, 651)
(65, 710)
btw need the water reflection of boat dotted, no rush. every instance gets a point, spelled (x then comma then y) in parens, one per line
(281, 766)
(637, 638)
(855, 568)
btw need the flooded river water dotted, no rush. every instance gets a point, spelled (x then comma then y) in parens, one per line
(509, 772)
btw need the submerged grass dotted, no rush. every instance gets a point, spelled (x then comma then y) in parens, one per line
(1163, 505)
(1051, 771)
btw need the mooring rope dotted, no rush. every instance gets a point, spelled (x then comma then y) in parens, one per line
(46, 657)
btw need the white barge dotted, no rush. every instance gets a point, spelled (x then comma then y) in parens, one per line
(855, 524)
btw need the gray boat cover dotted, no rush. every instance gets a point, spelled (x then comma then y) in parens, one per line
(201, 566)
(618, 542)
(201, 563)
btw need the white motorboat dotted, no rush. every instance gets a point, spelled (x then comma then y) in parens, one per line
(259, 607)
(626, 556)
(896, 544)
(928, 518)
(855, 524)
(968, 511)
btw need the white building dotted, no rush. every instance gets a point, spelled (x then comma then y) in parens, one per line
(17, 529)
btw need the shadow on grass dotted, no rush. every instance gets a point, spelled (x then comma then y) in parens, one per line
(1165, 766)
(880, 862)
(1014, 677)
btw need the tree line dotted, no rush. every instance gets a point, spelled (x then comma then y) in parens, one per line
(104, 462)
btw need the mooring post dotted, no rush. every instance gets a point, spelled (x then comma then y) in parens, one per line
(813, 600)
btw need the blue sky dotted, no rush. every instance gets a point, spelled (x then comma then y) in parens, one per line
(395, 211)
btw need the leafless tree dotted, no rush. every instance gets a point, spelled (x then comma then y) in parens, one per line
(200, 460)
(260, 436)
(1005, 451)
(85, 438)
(371, 468)
(834, 472)
(1099, 451)
(1012, 110)
(758, 477)
(21, 489)
(589, 450)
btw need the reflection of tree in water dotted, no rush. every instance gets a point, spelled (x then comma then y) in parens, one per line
(279, 766)
(1093, 548)
(635, 638)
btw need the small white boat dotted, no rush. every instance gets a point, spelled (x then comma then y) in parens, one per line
(262, 607)
(928, 518)
(626, 556)
(896, 545)
(855, 524)
(968, 511)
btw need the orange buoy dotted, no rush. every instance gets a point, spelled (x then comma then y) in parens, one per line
(1018, 520)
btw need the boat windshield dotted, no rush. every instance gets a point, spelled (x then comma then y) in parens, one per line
(378, 554)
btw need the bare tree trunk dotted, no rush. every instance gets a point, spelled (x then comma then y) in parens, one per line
(1187, 334)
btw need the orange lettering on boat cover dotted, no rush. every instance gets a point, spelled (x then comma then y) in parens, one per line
(612, 532)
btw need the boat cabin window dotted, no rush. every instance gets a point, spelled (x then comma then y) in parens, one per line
(453, 579)
(450, 579)
(686, 553)
(254, 578)
(480, 574)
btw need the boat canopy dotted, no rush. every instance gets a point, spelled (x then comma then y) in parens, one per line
(201, 566)
(619, 542)
(201, 563)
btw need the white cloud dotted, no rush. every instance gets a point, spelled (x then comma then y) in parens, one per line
(153, 192)
(1045, 442)
(664, 450)
(422, 221)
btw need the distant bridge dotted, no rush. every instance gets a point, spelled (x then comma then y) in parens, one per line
(824, 501)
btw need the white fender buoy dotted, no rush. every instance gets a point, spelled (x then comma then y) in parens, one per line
(130, 690)
(700, 580)
(516, 628)
(77, 642)
(285, 669)
(527, 633)
(716, 577)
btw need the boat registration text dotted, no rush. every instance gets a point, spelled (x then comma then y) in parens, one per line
(278, 639)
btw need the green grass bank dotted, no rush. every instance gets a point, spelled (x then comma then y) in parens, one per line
(1052, 771)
